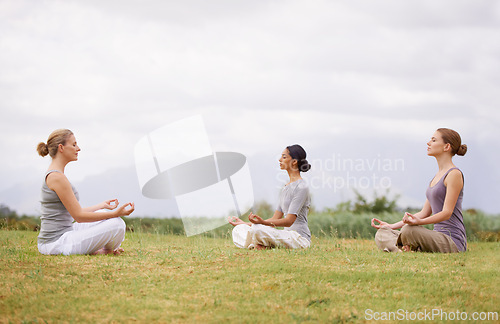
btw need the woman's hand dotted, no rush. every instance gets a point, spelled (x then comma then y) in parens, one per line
(411, 219)
(109, 204)
(123, 211)
(233, 220)
(380, 223)
(255, 219)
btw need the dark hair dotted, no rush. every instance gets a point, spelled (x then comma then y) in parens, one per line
(453, 138)
(298, 153)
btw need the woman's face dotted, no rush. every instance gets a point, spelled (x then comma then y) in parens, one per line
(286, 161)
(436, 145)
(70, 149)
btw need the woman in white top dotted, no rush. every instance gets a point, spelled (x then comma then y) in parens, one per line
(93, 232)
(291, 212)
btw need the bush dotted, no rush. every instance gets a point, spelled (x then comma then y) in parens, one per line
(155, 225)
(9, 220)
(343, 222)
(478, 225)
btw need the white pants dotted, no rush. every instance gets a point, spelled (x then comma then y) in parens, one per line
(248, 237)
(86, 238)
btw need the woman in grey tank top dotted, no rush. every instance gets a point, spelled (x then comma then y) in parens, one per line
(93, 232)
(291, 212)
(443, 206)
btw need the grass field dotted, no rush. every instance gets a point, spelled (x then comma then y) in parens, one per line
(169, 278)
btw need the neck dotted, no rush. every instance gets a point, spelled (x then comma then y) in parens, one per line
(444, 162)
(294, 175)
(58, 164)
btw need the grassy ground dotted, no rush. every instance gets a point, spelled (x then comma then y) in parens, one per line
(167, 278)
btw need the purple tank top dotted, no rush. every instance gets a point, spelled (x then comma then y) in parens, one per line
(454, 226)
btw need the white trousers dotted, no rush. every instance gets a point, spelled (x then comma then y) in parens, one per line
(86, 238)
(248, 237)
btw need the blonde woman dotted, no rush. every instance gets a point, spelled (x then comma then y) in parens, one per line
(443, 206)
(93, 232)
(291, 212)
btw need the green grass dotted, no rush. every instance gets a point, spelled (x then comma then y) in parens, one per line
(169, 278)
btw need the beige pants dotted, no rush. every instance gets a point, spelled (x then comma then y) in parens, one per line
(248, 237)
(418, 238)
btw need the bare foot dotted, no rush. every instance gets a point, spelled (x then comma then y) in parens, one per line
(118, 251)
(261, 247)
(102, 251)
(406, 248)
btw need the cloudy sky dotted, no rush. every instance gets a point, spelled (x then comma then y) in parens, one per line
(361, 85)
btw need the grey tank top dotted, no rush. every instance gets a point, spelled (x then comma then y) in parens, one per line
(294, 199)
(55, 218)
(454, 226)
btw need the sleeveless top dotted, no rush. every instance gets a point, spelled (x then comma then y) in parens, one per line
(294, 199)
(55, 218)
(454, 226)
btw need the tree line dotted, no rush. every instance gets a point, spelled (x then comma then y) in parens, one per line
(348, 219)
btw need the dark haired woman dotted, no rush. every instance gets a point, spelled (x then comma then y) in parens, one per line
(443, 206)
(291, 212)
(93, 232)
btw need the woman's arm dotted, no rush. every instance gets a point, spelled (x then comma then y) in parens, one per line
(274, 222)
(380, 224)
(425, 212)
(108, 204)
(233, 220)
(277, 215)
(298, 200)
(60, 184)
(454, 184)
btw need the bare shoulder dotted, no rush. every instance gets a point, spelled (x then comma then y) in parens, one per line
(456, 174)
(56, 180)
(454, 177)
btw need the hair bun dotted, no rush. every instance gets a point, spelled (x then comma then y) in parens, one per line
(42, 149)
(462, 150)
(304, 166)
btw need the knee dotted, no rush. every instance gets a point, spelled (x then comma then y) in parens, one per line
(407, 230)
(386, 239)
(241, 228)
(257, 228)
(380, 235)
(384, 228)
(412, 232)
(117, 223)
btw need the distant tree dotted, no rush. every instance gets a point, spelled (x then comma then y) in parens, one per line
(9, 219)
(380, 204)
(361, 204)
(6, 212)
(345, 206)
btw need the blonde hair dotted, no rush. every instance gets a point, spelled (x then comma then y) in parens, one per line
(453, 138)
(59, 136)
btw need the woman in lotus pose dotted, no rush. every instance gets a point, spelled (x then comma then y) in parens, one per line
(93, 232)
(291, 212)
(443, 206)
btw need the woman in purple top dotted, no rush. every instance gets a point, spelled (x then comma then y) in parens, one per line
(443, 206)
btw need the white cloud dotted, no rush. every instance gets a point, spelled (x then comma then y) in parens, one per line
(331, 75)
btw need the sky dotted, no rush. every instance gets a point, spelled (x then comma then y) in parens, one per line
(361, 85)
